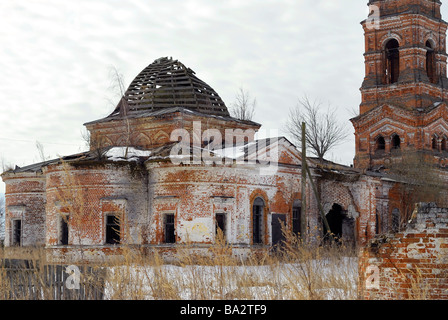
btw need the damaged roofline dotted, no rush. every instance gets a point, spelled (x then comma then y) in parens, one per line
(167, 111)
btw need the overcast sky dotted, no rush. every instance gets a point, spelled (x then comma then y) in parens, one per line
(56, 59)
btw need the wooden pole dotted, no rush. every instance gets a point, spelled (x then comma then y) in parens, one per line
(303, 226)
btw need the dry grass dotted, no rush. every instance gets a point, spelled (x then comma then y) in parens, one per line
(294, 271)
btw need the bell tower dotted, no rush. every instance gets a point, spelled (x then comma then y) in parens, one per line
(405, 87)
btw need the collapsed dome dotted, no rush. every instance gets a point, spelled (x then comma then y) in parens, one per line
(168, 83)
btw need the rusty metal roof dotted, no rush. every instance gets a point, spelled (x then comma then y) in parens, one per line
(168, 83)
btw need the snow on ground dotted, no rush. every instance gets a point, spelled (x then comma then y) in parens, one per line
(317, 279)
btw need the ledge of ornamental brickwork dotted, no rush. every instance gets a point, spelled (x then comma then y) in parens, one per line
(411, 264)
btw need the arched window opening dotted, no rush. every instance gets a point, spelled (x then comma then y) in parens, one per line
(392, 62)
(443, 144)
(396, 141)
(380, 144)
(257, 217)
(434, 143)
(430, 62)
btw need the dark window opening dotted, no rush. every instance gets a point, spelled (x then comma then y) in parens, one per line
(443, 145)
(170, 234)
(257, 216)
(392, 62)
(296, 217)
(17, 232)
(396, 220)
(430, 62)
(221, 224)
(64, 230)
(396, 142)
(278, 222)
(377, 223)
(380, 144)
(112, 229)
(334, 219)
(434, 143)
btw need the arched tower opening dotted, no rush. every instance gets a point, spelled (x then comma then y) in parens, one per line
(380, 144)
(392, 62)
(431, 62)
(395, 142)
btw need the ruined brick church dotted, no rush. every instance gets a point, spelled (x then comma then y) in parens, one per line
(170, 166)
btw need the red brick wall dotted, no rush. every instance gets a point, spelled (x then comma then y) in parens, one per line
(409, 264)
(87, 192)
(150, 132)
(196, 193)
(414, 130)
(412, 31)
(406, 107)
(25, 200)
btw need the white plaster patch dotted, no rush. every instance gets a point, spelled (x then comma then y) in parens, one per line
(197, 230)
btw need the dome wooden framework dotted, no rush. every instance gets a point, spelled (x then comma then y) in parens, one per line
(167, 83)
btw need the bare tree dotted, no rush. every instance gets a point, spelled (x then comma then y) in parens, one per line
(85, 135)
(96, 142)
(119, 87)
(5, 166)
(244, 106)
(117, 82)
(40, 149)
(323, 132)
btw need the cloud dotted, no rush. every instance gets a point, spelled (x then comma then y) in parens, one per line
(56, 57)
